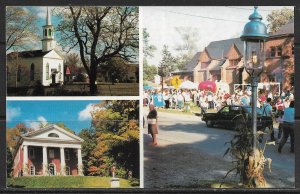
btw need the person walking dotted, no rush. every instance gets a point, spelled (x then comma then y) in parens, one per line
(152, 124)
(267, 111)
(288, 127)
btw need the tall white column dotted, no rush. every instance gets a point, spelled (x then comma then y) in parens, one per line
(79, 161)
(45, 161)
(25, 160)
(62, 161)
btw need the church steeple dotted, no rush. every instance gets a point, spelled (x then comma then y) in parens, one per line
(48, 19)
(48, 42)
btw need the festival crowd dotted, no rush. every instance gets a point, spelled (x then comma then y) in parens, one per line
(271, 103)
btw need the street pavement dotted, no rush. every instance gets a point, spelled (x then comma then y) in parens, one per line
(190, 154)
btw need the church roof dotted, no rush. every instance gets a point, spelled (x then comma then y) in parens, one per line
(218, 49)
(28, 54)
(192, 63)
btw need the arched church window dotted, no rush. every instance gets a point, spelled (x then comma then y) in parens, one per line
(53, 135)
(32, 72)
(49, 32)
(59, 70)
(19, 73)
(45, 32)
(47, 71)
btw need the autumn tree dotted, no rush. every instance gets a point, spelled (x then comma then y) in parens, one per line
(13, 135)
(115, 139)
(74, 63)
(278, 18)
(20, 27)
(88, 145)
(99, 33)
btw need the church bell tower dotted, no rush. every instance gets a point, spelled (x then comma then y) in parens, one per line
(48, 42)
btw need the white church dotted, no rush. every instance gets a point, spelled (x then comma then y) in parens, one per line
(26, 68)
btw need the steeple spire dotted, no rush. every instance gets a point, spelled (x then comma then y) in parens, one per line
(48, 42)
(48, 18)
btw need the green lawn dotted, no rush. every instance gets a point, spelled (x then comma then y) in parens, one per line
(64, 182)
(193, 111)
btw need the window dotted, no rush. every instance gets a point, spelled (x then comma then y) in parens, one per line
(32, 170)
(31, 153)
(273, 52)
(279, 51)
(59, 70)
(32, 72)
(53, 135)
(233, 62)
(49, 32)
(47, 71)
(271, 78)
(19, 73)
(51, 153)
(68, 170)
(67, 155)
(45, 32)
(225, 110)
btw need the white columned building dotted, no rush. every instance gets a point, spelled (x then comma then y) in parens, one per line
(49, 151)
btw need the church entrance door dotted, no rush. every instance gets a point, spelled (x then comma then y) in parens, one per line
(52, 169)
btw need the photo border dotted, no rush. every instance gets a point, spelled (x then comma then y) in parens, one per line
(144, 3)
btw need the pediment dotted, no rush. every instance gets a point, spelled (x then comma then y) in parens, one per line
(53, 133)
(53, 54)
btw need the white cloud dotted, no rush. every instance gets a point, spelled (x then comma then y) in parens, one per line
(36, 125)
(12, 113)
(85, 114)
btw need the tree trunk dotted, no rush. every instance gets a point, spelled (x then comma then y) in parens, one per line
(93, 77)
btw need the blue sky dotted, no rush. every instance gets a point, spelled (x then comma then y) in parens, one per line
(74, 114)
(210, 22)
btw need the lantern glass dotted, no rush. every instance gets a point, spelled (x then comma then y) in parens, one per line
(254, 56)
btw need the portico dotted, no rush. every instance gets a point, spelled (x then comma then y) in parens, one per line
(49, 151)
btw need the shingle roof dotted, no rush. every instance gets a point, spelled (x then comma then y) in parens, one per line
(218, 49)
(28, 54)
(192, 63)
(285, 29)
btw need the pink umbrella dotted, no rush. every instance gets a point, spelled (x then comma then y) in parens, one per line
(208, 85)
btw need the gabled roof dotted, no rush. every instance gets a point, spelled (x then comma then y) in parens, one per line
(192, 63)
(28, 54)
(218, 49)
(285, 29)
(50, 127)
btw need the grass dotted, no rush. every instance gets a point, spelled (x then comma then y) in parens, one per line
(64, 182)
(195, 110)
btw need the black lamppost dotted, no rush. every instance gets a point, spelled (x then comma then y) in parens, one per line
(254, 37)
(163, 70)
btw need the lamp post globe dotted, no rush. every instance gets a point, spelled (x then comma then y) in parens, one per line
(254, 36)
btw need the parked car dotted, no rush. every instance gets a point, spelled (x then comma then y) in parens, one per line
(231, 116)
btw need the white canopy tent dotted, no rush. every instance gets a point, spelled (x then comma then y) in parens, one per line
(188, 85)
